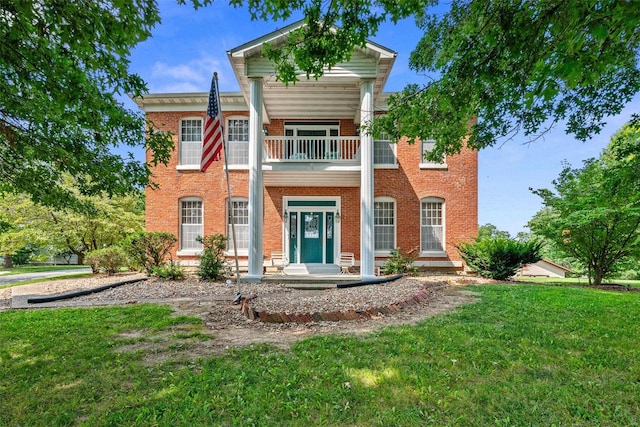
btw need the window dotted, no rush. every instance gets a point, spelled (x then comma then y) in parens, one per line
(190, 150)
(238, 141)
(432, 225)
(384, 228)
(191, 225)
(239, 215)
(384, 151)
(427, 147)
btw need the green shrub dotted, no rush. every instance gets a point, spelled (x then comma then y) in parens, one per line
(107, 260)
(400, 263)
(499, 258)
(212, 257)
(22, 256)
(148, 250)
(170, 271)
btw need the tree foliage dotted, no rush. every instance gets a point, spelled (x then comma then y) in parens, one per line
(108, 222)
(515, 66)
(63, 66)
(593, 214)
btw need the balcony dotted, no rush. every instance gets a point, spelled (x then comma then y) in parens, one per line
(325, 149)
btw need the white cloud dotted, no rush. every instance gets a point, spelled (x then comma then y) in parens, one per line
(192, 76)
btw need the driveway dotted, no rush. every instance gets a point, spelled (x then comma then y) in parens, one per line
(25, 277)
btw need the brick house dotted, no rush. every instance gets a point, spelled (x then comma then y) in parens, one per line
(304, 180)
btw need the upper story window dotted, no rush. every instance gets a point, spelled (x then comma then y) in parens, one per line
(238, 141)
(239, 217)
(427, 147)
(384, 152)
(384, 220)
(191, 224)
(190, 148)
(432, 222)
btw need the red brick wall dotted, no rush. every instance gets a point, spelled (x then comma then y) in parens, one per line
(457, 185)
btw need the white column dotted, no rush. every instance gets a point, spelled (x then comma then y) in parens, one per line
(256, 190)
(367, 248)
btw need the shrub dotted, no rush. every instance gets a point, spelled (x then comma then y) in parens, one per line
(107, 260)
(499, 258)
(148, 250)
(212, 257)
(171, 271)
(400, 263)
(22, 256)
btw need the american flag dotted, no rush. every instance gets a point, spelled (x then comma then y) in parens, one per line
(213, 133)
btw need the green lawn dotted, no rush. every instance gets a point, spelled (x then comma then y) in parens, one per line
(39, 268)
(523, 355)
(575, 281)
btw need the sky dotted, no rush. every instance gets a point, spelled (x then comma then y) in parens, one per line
(188, 46)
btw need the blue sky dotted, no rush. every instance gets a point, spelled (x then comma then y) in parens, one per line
(189, 45)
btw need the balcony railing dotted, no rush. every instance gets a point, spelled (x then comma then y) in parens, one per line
(311, 149)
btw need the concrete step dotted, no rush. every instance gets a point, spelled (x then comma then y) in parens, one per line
(309, 268)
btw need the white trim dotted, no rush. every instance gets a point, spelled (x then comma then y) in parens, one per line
(188, 166)
(434, 199)
(441, 166)
(182, 200)
(193, 167)
(188, 252)
(424, 163)
(386, 199)
(337, 241)
(434, 254)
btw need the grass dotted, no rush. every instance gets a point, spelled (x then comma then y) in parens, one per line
(575, 281)
(38, 268)
(523, 355)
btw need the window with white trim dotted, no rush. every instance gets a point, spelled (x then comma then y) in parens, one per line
(384, 224)
(190, 149)
(238, 141)
(432, 225)
(384, 151)
(239, 215)
(427, 147)
(191, 224)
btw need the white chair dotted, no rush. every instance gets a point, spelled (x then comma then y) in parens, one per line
(346, 261)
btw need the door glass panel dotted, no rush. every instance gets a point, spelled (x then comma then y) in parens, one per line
(311, 230)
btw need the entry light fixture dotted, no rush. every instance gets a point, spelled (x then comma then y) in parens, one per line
(285, 216)
(337, 216)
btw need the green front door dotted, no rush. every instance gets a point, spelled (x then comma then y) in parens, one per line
(311, 237)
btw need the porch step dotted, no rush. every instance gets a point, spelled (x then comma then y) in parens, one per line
(319, 269)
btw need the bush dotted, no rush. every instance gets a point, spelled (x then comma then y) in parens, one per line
(148, 250)
(22, 256)
(170, 271)
(212, 257)
(107, 260)
(499, 258)
(398, 263)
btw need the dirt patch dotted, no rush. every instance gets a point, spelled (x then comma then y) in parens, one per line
(229, 328)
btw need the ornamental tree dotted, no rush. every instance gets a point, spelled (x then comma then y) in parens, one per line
(593, 213)
(515, 66)
(63, 67)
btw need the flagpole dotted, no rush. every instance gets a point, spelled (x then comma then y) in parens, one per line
(226, 168)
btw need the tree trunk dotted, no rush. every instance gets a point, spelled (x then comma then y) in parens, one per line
(8, 262)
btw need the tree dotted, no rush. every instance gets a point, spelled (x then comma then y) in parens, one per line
(515, 66)
(490, 231)
(110, 221)
(594, 213)
(63, 66)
